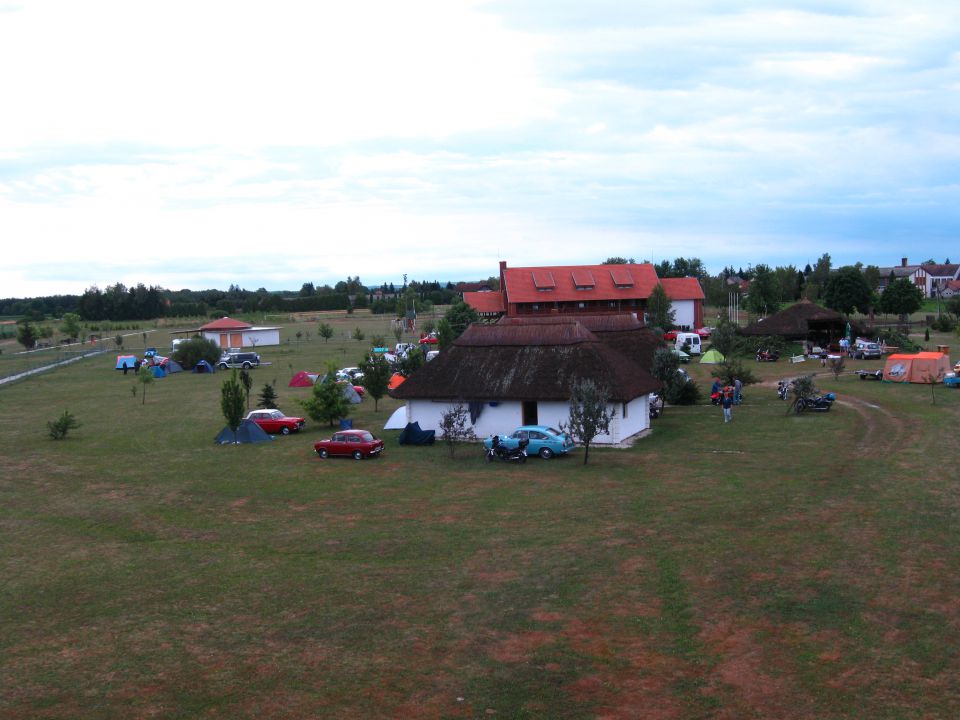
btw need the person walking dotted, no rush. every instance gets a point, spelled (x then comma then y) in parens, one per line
(727, 403)
(737, 391)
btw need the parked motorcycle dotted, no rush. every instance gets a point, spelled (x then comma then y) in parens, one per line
(498, 451)
(767, 356)
(656, 405)
(819, 403)
(783, 389)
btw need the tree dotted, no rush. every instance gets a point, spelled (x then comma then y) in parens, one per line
(376, 377)
(190, 352)
(232, 401)
(454, 322)
(325, 331)
(71, 325)
(764, 291)
(618, 261)
(247, 382)
(589, 413)
(308, 290)
(144, 377)
(411, 362)
(659, 311)
(118, 340)
(268, 397)
(454, 427)
(666, 369)
(901, 297)
(847, 290)
(58, 429)
(724, 337)
(358, 334)
(328, 403)
(26, 335)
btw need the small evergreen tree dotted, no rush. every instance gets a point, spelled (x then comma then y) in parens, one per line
(232, 401)
(589, 415)
(71, 326)
(247, 382)
(268, 398)
(666, 369)
(454, 427)
(26, 335)
(358, 334)
(58, 429)
(659, 310)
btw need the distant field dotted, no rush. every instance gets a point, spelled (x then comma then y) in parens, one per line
(776, 567)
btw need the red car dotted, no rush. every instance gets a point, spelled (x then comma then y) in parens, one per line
(358, 444)
(275, 422)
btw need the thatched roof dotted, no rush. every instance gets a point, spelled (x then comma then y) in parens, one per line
(802, 320)
(526, 361)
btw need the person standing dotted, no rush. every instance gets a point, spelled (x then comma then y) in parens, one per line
(737, 391)
(727, 403)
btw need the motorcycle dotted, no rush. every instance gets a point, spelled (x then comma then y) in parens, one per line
(767, 356)
(783, 388)
(656, 405)
(498, 451)
(818, 403)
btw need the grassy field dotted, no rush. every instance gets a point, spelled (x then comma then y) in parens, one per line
(777, 567)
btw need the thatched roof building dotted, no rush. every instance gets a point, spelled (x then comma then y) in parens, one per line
(539, 360)
(802, 321)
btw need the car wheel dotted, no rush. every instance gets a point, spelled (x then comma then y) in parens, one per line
(322, 452)
(223, 366)
(546, 453)
(357, 455)
(284, 430)
(246, 366)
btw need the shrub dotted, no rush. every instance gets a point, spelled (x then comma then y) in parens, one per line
(944, 323)
(58, 429)
(732, 369)
(687, 393)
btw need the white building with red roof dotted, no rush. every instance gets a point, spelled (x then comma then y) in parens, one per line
(229, 333)
(576, 289)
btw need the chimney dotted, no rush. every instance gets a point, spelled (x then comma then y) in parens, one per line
(903, 262)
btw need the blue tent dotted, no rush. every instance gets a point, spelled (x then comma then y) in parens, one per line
(126, 361)
(248, 432)
(158, 372)
(203, 366)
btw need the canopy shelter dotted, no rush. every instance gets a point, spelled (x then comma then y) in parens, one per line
(126, 361)
(805, 321)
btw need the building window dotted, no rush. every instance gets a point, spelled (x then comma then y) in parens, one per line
(535, 307)
(624, 416)
(581, 305)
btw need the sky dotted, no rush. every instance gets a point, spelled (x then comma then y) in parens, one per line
(200, 145)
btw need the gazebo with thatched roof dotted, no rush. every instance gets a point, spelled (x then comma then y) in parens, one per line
(804, 321)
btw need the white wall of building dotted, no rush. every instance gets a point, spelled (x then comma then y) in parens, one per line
(505, 416)
(683, 313)
(254, 337)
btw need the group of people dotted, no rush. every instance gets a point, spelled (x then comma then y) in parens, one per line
(727, 396)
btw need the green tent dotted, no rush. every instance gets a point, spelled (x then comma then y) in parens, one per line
(712, 357)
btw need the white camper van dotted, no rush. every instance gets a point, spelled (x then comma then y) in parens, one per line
(689, 337)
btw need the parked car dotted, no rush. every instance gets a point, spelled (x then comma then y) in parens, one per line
(275, 422)
(353, 374)
(543, 440)
(245, 360)
(358, 444)
(868, 351)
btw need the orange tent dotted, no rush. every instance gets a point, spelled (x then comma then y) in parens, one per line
(923, 367)
(395, 381)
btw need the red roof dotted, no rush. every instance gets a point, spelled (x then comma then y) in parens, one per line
(484, 302)
(687, 288)
(561, 283)
(226, 323)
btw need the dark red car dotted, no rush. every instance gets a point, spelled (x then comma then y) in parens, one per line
(358, 444)
(275, 422)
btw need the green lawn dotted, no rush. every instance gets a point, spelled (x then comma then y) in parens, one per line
(776, 567)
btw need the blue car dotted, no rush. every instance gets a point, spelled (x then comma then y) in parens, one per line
(544, 441)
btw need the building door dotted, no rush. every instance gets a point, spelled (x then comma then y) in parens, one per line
(224, 341)
(529, 412)
(236, 340)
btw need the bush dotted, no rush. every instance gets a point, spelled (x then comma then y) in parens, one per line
(58, 429)
(732, 369)
(898, 339)
(687, 393)
(192, 351)
(944, 323)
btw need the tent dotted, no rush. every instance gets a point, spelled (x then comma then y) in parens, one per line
(712, 357)
(203, 367)
(350, 394)
(172, 366)
(398, 420)
(923, 367)
(303, 379)
(158, 372)
(413, 435)
(248, 432)
(395, 381)
(125, 361)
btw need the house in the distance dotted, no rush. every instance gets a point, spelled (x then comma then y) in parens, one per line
(229, 333)
(562, 290)
(914, 273)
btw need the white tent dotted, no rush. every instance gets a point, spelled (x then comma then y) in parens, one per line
(397, 421)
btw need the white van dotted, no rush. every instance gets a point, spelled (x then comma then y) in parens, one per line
(688, 337)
